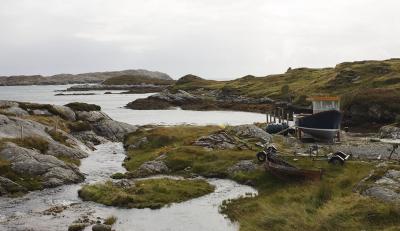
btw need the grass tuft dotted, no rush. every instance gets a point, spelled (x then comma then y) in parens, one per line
(152, 193)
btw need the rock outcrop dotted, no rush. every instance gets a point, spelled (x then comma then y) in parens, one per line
(219, 140)
(149, 168)
(34, 149)
(10, 127)
(113, 130)
(243, 166)
(389, 132)
(252, 131)
(8, 186)
(387, 188)
(51, 170)
(65, 112)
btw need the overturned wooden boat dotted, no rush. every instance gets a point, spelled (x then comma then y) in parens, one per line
(283, 169)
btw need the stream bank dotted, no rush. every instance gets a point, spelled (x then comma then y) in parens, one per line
(198, 214)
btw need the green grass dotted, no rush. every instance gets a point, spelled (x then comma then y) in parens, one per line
(366, 78)
(58, 136)
(28, 181)
(330, 204)
(110, 220)
(33, 142)
(136, 80)
(70, 160)
(327, 205)
(175, 143)
(50, 121)
(79, 126)
(151, 193)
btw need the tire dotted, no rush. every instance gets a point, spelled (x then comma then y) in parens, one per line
(261, 156)
(336, 161)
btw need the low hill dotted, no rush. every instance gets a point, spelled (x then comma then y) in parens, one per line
(136, 80)
(92, 77)
(368, 88)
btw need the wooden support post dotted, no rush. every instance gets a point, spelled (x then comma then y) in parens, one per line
(274, 115)
(22, 131)
(279, 115)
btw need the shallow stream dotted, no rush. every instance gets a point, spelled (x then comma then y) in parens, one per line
(200, 214)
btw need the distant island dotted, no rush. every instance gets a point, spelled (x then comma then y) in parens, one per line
(84, 78)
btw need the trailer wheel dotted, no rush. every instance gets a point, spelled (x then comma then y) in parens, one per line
(336, 161)
(261, 156)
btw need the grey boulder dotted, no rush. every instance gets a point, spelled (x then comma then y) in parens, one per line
(389, 132)
(113, 130)
(65, 112)
(15, 110)
(252, 131)
(53, 171)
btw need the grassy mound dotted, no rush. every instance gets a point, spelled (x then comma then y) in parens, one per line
(152, 193)
(76, 106)
(136, 80)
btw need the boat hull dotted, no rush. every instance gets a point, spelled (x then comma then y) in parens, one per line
(322, 126)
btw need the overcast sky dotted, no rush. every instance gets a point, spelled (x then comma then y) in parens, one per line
(216, 39)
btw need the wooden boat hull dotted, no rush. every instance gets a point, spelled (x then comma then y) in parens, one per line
(289, 172)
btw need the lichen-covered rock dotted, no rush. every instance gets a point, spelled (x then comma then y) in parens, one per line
(389, 132)
(15, 110)
(252, 131)
(9, 186)
(10, 127)
(386, 188)
(41, 112)
(92, 116)
(139, 143)
(383, 193)
(113, 130)
(65, 112)
(219, 140)
(393, 174)
(89, 138)
(101, 227)
(57, 149)
(243, 166)
(53, 171)
(77, 226)
(7, 104)
(149, 168)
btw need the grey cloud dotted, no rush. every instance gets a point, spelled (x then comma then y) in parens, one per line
(217, 39)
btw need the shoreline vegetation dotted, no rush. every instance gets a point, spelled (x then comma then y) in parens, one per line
(148, 193)
(339, 201)
(369, 91)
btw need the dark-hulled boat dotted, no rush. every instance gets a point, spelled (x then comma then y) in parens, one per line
(322, 125)
(282, 169)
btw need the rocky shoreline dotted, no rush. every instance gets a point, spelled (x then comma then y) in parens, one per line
(41, 145)
(202, 102)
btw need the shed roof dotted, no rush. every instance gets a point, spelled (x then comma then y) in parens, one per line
(324, 98)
